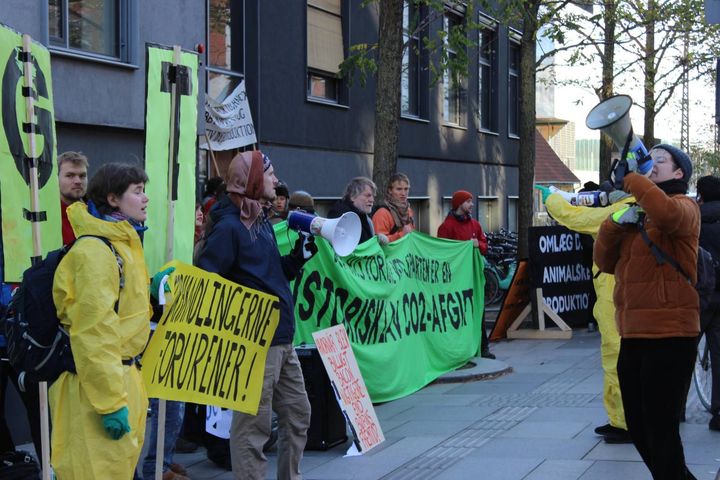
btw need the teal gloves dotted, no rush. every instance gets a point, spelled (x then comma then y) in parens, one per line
(116, 424)
(627, 216)
(546, 192)
(157, 279)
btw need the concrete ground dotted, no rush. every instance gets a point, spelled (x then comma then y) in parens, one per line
(534, 423)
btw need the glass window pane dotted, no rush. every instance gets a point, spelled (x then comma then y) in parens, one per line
(220, 85)
(220, 45)
(55, 19)
(92, 26)
(320, 86)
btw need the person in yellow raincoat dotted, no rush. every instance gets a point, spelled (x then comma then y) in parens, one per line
(587, 220)
(98, 414)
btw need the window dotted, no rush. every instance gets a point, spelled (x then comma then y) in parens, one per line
(224, 56)
(488, 213)
(513, 86)
(325, 49)
(410, 76)
(454, 90)
(486, 74)
(513, 205)
(95, 27)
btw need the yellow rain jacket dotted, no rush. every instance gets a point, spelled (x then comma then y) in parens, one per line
(587, 220)
(85, 289)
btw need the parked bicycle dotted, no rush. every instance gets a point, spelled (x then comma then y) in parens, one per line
(500, 264)
(702, 375)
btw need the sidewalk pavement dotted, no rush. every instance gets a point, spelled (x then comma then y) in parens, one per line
(534, 423)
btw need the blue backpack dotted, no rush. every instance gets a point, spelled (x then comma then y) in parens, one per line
(38, 347)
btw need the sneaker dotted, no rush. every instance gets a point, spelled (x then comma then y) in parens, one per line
(714, 423)
(618, 436)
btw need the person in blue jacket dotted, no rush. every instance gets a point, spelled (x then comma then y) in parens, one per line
(241, 247)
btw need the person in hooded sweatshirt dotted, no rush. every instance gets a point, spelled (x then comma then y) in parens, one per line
(241, 247)
(98, 413)
(657, 306)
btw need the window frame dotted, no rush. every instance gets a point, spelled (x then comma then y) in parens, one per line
(209, 69)
(487, 98)
(412, 51)
(514, 38)
(126, 22)
(459, 89)
(341, 88)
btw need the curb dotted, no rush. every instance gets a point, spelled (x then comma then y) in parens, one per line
(477, 368)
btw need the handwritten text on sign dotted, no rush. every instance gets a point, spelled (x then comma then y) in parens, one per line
(212, 341)
(337, 355)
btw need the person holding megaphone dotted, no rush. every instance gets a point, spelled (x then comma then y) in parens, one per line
(657, 306)
(241, 247)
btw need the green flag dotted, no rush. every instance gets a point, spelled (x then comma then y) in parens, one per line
(15, 152)
(158, 137)
(412, 310)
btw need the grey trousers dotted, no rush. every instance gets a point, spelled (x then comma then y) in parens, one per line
(284, 392)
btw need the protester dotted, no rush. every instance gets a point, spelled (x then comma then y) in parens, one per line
(358, 198)
(214, 190)
(708, 189)
(279, 209)
(587, 220)
(241, 247)
(301, 200)
(459, 225)
(72, 177)
(199, 221)
(657, 306)
(394, 218)
(99, 413)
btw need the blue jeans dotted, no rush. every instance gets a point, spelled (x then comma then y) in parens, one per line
(174, 413)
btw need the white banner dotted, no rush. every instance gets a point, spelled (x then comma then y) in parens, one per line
(217, 421)
(228, 124)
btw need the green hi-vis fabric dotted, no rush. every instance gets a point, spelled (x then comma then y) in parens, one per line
(15, 191)
(412, 310)
(158, 109)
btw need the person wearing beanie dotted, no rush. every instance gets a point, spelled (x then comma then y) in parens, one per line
(657, 306)
(459, 225)
(278, 211)
(708, 198)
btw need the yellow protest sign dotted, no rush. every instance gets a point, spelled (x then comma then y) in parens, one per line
(211, 343)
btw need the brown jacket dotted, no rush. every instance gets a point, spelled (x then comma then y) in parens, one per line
(651, 300)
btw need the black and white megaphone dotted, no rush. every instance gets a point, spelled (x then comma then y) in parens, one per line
(343, 233)
(612, 117)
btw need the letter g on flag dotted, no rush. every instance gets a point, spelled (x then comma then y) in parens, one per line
(12, 81)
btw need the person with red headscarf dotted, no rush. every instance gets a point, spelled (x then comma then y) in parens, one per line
(241, 247)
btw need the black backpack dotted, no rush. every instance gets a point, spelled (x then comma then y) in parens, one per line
(38, 347)
(706, 276)
(18, 465)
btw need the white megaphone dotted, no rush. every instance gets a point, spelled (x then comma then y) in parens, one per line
(612, 117)
(343, 233)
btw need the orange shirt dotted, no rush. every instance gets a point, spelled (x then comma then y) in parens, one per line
(384, 223)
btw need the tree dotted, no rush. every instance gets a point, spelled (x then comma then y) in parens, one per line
(384, 59)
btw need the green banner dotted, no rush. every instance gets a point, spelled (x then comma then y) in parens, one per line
(412, 310)
(15, 152)
(158, 156)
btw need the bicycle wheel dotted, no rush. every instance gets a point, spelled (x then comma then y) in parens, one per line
(702, 375)
(492, 286)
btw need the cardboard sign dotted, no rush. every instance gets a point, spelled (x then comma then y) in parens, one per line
(217, 421)
(561, 265)
(334, 347)
(211, 343)
(517, 297)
